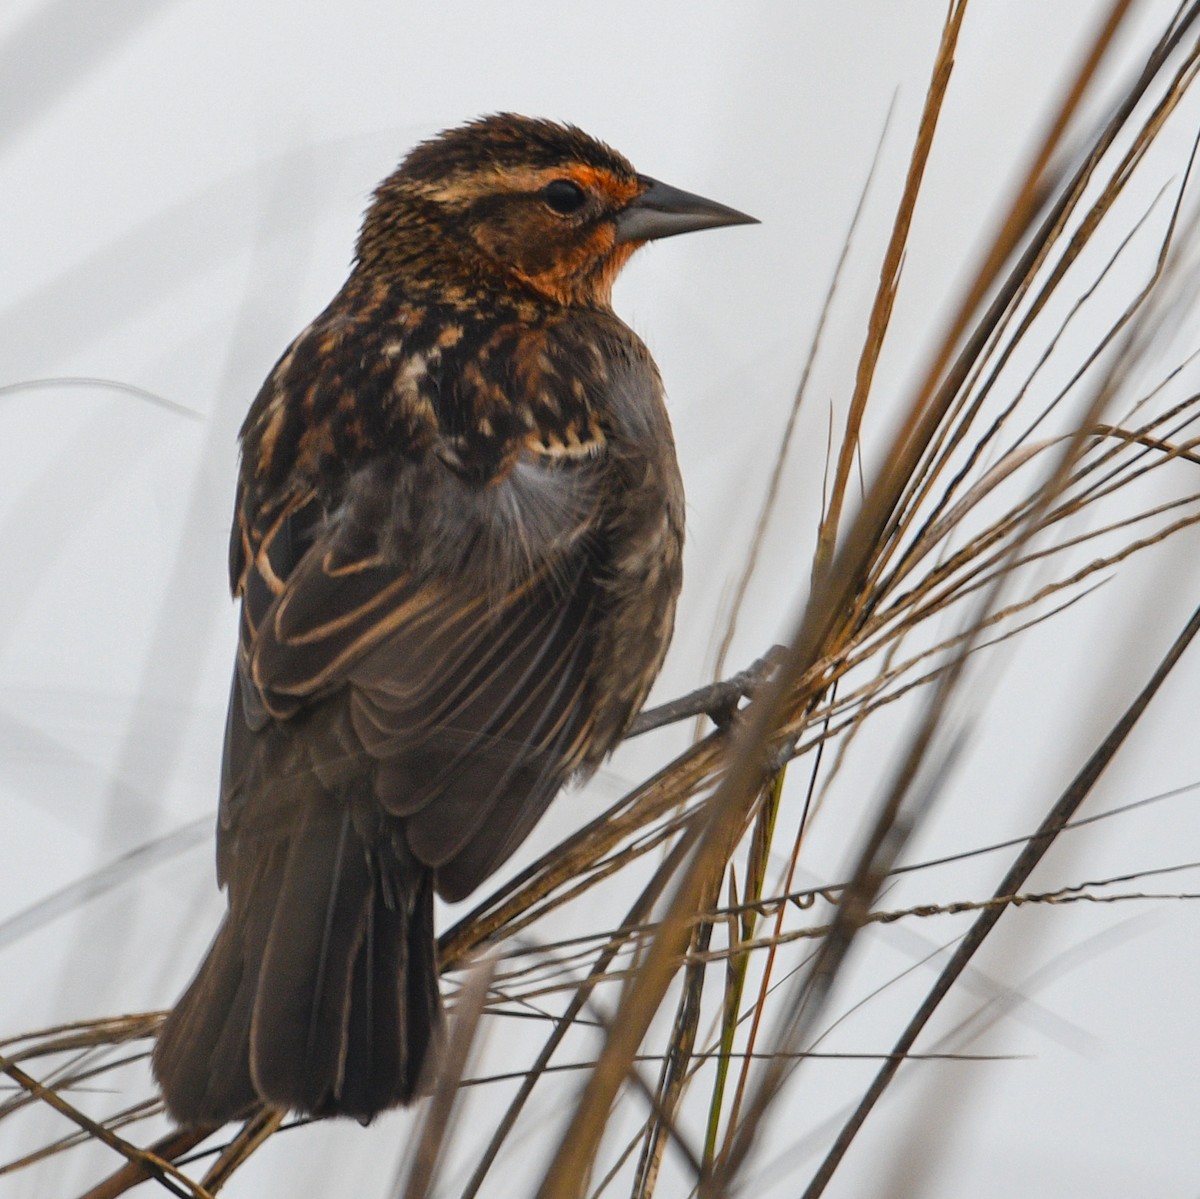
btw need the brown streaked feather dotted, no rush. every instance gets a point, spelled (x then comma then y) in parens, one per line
(268, 560)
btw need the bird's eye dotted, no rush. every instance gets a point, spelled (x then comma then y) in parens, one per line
(564, 196)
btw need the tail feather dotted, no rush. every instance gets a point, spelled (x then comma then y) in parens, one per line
(422, 1002)
(375, 1077)
(387, 1053)
(205, 1028)
(302, 1010)
(320, 993)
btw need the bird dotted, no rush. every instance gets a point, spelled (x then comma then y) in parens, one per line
(457, 547)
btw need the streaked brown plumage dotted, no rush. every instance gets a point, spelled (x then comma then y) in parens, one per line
(457, 546)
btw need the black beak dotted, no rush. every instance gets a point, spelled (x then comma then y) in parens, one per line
(663, 211)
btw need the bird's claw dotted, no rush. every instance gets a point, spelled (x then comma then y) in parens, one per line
(743, 686)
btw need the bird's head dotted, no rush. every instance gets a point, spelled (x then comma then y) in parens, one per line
(509, 197)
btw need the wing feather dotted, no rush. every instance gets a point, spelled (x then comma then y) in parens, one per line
(460, 701)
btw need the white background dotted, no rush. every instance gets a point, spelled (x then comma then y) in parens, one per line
(180, 187)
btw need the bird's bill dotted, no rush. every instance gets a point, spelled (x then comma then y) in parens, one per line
(660, 210)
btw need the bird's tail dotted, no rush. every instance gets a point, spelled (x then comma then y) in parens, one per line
(320, 992)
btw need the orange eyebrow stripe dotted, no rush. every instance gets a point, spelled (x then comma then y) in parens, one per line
(595, 178)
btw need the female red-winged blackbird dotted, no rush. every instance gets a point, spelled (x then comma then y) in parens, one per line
(457, 546)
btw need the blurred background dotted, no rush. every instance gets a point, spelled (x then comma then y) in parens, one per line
(180, 189)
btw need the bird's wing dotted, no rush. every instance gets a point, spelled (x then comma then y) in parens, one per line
(459, 691)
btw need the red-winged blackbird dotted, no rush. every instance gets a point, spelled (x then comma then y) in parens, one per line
(457, 546)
